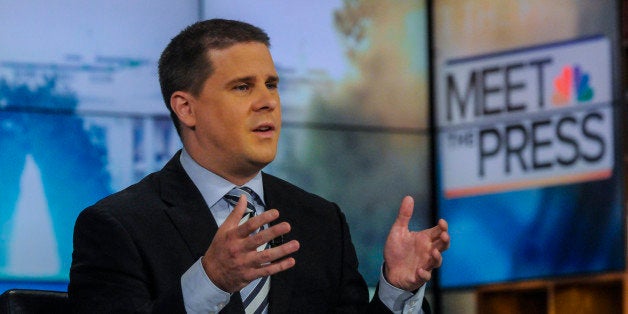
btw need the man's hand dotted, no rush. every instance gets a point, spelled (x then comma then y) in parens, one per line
(232, 260)
(411, 256)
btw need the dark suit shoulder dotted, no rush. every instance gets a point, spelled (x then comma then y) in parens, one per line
(129, 207)
(284, 189)
(143, 191)
(167, 187)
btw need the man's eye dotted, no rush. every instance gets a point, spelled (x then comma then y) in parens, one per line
(242, 87)
(271, 85)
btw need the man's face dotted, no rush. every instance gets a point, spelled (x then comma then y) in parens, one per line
(238, 113)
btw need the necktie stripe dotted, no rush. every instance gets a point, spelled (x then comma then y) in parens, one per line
(257, 300)
(261, 309)
(255, 292)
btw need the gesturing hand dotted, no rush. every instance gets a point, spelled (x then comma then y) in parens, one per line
(232, 260)
(411, 256)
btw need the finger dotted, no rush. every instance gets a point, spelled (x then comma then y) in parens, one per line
(437, 260)
(256, 222)
(424, 275)
(271, 255)
(445, 241)
(273, 268)
(236, 214)
(442, 223)
(434, 260)
(405, 213)
(265, 236)
(436, 231)
(442, 242)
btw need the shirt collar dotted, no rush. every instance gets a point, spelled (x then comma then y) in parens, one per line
(212, 186)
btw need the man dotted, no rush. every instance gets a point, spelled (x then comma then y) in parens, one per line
(179, 240)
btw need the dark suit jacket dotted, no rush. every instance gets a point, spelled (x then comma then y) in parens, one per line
(131, 248)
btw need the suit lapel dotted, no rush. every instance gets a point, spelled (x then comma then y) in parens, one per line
(281, 284)
(187, 208)
(191, 216)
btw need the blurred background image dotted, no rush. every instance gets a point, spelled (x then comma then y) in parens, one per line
(82, 115)
(368, 88)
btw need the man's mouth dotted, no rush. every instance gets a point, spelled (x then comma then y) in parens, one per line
(264, 128)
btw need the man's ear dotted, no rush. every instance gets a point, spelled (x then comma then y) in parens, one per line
(182, 104)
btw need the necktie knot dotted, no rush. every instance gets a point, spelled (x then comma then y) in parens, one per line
(253, 201)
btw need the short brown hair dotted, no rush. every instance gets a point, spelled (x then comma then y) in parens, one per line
(184, 65)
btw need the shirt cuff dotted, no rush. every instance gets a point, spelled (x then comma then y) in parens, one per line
(200, 294)
(398, 300)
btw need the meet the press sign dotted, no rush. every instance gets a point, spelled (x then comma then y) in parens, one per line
(524, 118)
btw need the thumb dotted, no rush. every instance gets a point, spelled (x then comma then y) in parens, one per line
(405, 213)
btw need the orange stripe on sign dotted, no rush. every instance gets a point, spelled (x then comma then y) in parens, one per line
(519, 185)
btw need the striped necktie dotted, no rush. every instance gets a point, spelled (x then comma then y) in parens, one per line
(254, 295)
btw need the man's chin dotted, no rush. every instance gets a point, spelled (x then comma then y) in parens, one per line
(259, 164)
(262, 157)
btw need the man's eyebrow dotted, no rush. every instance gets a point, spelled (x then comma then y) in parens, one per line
(243, 79)
(251, 78)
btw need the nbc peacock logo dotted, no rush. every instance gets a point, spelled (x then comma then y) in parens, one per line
(571, 83)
